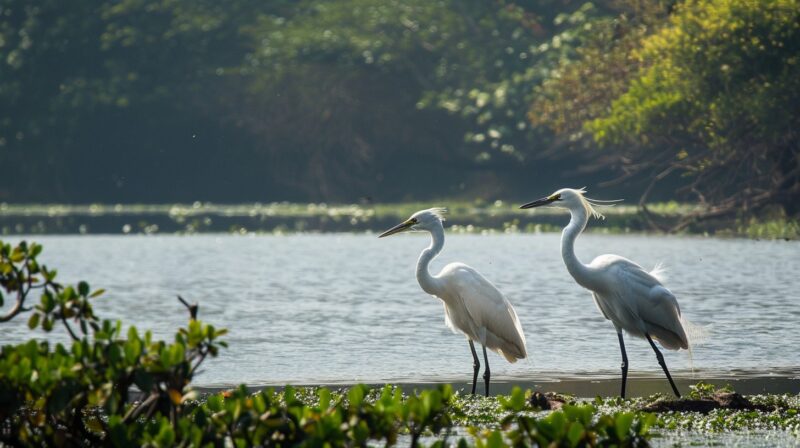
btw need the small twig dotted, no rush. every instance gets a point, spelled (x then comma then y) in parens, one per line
(16, 309)
(21, 295)
(134, 412)
(643, 199)
(203, 355)
(191, 307)
(71, 333)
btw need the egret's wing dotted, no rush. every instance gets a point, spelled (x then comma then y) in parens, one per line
(663, 318)
(617, 299)
(495, 319)
(654, 304)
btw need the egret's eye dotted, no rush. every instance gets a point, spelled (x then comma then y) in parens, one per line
(413, 220)
(556, 197)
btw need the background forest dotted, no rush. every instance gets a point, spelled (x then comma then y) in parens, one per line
(389, 100)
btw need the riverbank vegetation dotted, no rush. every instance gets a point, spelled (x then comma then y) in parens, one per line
(317, 101)
(485, 217)
(114, 386)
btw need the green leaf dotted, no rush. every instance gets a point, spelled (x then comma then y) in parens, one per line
(575, 433)
(356, 396)
(622, 424)
(516, 401)
(83, 288)
(324, 399)
(495, 440)
(48, 302)
(36, 249)
(98, 293)
(33, 322)
(166, 435)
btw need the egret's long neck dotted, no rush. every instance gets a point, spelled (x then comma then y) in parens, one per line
(428, 282)
(578, 270)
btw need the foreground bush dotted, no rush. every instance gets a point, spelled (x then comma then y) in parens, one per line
(80, 394)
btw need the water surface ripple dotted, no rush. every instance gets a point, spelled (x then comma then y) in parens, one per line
(347, 307)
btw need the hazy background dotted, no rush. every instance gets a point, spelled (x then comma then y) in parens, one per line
(161, 101)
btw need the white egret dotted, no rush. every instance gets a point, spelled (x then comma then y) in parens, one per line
(632, 298)
(472, 304)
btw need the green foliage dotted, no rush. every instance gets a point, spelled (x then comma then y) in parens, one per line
(50, 395)
(353, 89)
(287, 419)
(770, 228)
(128, 76)
(720, 89)
(702, 93)
(321, 100)
(478, 60)
(582, 88)
(571, 426)
(703, 390)
(719, 64)
(785, 417)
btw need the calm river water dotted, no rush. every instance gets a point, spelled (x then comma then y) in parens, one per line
(340, 308)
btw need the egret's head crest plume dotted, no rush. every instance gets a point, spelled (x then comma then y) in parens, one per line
(430, 214)
(438, 212)
(590, 203)
(570, 198)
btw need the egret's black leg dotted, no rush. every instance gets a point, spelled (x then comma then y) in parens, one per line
(624, 363)
(663, 365)
(476, 366)
(486, 373)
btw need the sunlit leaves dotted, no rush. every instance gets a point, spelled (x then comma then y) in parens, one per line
(719, 63)
(710, 92)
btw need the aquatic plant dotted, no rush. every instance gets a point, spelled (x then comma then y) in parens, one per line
(574, 425)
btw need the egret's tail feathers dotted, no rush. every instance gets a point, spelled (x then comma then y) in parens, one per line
(511, 350)
(696, 334)
(512, 357)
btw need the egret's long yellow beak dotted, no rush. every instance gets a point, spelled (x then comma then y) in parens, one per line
(403, 226)
(540, 202)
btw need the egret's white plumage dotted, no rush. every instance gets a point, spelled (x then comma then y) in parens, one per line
(472, 304)
(632, 298)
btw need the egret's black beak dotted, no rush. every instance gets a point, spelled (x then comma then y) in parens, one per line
(539, 202)
(397, 229)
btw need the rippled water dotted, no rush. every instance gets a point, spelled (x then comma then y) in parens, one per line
(344, 307)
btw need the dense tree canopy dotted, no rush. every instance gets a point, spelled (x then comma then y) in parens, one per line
(714, 95)
(245, 100)
(337, 100)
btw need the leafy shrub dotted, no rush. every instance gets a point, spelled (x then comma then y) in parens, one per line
(61, 395)
(571, 426)
(79, 394)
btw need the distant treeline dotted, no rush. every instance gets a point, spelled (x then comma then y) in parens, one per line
(389, 100)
